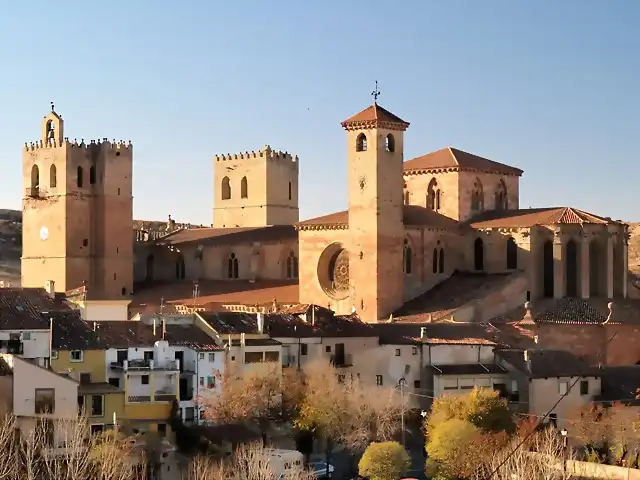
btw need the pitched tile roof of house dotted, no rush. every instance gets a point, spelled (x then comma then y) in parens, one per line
(22, 308)
(449, 295)
(528, 217)
(543, 363)
(450, 157)
(445, 333)
(228, 236)
(216, 292)
(468, 369)
(374, 116)
(412, 216)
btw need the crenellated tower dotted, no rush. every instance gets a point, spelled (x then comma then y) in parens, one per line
(375, 146)
(77, 213)
(255, 189)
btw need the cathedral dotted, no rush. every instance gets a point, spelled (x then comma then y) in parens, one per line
(409, 227)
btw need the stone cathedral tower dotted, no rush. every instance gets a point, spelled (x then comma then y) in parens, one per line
(77, 213)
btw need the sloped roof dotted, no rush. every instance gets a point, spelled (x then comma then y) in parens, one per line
(375, 116)
(543, 363)
(450, 157)
(228, 236)
(412, 215)
(529, 217)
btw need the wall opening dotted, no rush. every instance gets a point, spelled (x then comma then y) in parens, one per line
(361, 143)
(390, 143)
(478, 254)
(512, 254)
(244, 188)
(407, 258)
(92, 174)
(80, 177)
(595, 269)
(292, 266)
(441, 261)
(53, 177)
(35, 177)
(434, 261)
(226, 189)
(180, 268)
(232, 266)
(571, 268)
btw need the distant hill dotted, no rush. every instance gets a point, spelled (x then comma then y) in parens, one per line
(11, 241)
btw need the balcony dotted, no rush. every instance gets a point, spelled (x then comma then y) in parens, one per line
(164, 397)
(33, 192)
(145, 365)
(342, 361)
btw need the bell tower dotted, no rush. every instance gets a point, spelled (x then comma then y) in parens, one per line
(375, 180)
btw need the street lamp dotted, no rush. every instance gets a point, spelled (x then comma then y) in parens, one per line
(565, 443)
(402, 383)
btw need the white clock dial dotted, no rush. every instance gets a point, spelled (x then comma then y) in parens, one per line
(44, 233)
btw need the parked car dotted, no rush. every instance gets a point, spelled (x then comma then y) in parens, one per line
(320, 470)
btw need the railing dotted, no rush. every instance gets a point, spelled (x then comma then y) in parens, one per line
(342, 361)
(139, 398)
(164, 397)
(141, 365)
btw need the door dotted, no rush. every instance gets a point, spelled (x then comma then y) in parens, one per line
(339, 354)
(180, 356)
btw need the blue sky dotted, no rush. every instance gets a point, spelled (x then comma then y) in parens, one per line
(549, 86)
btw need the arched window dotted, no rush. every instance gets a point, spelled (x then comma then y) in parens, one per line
(226, 188)
(407, 197)
(433, 195)
(180, 270)
(512, 254)
(123, 291)
(477, 197)
(435, 260)
(53, 176)
(361, 143)
(35, 177)
(80, 177)
(92, 174)
(478, 254)
(233, 266)
(441, 261)
(51, 132)
(390, 143)
(407, 254)
(290, 190)
(244, 188)
(501, 202)
(292, 266)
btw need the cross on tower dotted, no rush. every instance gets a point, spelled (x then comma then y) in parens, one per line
(53, 108)
(375, 93)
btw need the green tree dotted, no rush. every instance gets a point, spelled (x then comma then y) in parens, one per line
(384, 461)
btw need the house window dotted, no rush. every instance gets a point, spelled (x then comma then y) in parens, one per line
(584, 387)
(76, 355)
(563, 388)
(416, 384)
(212, 357)
(201, 356)
(271, 356)
(115, 382)
(379, 380)
(97, 405)
(304, 349)
(26, 336)
(211, 382)
(327, 349)
(162, 429)
(97, 429)
(148, 356)
(414, 350)
(54, 354)
(85, 377)
(45, 400)
(397, 352)
(144, 379)
(253, 357)
(202, 381)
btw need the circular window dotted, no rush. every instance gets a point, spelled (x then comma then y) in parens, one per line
(333, 271)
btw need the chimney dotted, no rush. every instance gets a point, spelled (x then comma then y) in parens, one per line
(260, 319)
(526, 356)
(164, 328)
(94, 326)
(154, 326)
(50, 287)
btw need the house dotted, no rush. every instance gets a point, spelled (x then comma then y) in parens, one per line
(542, 377)
(36, 394)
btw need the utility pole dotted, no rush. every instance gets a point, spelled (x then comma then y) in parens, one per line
(402, 383)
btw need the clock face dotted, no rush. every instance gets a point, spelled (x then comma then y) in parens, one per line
(44, 233)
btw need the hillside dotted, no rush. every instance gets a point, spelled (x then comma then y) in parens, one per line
(11, 241)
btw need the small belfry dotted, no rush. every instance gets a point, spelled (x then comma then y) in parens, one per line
(52, 128)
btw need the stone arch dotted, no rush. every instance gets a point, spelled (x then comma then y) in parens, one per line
(53, 176)
(596, 271)
(180, 268)
(512, 254)
(292, 265)
(390, 143)
(35, 177)
(435, 260)
(547, 269)
(500, 196)
(151, 261)
(244, 188)
(92, 174)
(361, 143)
(433, 195)
(477, 196)
(51, 131)
(441, 261)
(80, 177)
(407, 257)
(333, 271)
(478, 255)
(571, 268)
(226, 189)
(232, 266)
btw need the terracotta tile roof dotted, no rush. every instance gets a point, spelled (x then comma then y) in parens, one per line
(22, 308)
(412, 215)
(450, 157)
(229, 236)
(375, 116)
(535, 216)
(545, 363)
(147, 297)
(467, 369)
(435, 334)
(449, 295)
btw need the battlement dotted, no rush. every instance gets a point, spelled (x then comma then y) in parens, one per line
(115, 145)
(266, 153)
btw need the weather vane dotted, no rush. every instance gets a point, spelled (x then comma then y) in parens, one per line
(53, 108)
(375, 93)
